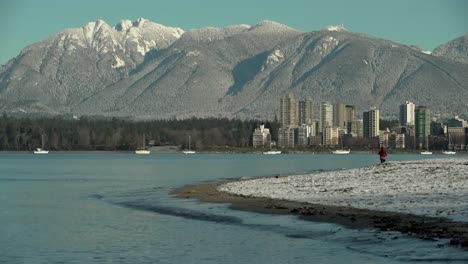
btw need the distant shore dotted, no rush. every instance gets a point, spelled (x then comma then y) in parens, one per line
(228, 151)
(341, 211)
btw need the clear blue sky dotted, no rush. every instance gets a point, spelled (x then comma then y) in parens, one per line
(425, 23)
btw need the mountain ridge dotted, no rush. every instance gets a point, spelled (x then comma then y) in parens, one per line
(142, 69)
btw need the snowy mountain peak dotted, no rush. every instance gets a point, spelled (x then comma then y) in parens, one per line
(124, 25)
(456, 49)
(335, 28)
(140, 22)
(269, 26)
(244, 26)
(213, 33)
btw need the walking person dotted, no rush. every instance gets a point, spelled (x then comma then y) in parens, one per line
(382, 154)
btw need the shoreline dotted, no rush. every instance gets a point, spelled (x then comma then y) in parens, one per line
(422, 227)
(242, 151)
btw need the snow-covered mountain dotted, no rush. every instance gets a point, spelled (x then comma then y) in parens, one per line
(456, 49)
(55, 75)
(146, 70)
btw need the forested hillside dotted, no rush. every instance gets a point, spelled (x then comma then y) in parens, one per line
(118, 134)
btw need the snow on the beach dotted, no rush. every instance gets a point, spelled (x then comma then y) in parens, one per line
(433, 187)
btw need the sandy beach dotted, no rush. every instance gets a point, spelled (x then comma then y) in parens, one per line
(427, 199)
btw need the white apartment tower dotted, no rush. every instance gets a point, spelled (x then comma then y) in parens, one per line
(261, 137)
(407, 114)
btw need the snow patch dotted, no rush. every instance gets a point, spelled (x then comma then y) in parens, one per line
(193, 53)
(118, 63)
(177, 33)
(140, 49)
(432, 187)
(149, 44)
(335, 28)
(274, 57)
(332, 40)
(326, 46)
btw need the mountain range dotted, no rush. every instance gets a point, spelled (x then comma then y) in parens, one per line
(144, 70)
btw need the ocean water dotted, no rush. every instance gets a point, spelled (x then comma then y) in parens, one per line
(116, 208)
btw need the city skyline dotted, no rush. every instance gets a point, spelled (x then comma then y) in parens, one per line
(338, 120)
(410, 23)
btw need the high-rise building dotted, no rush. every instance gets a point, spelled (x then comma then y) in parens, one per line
(331, 136)
(305, 111)
(286, 137)
(371, 123)
(457, 137)
(288, 111)
(407, 114)
(339, 115)
(422, 125)
(313, 129)
(350, 116)
(350, 113)
(326, 116)
(261, 137)
(397, 141)
(303, 135)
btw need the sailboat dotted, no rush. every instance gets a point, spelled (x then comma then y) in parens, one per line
(143, 150)
(341, 151)
(41, 150)
(426, 152)
(271, 152)
(448, 152)
(188, 151)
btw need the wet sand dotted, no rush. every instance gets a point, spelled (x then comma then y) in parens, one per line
(423, 227)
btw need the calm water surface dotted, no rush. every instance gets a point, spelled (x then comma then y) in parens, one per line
(115, 208)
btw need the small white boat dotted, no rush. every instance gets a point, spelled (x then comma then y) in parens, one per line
(448, 152)
(188, 151)
(272, 152)
(341, 151)
(426, 152)
(143, 150)
(41, 151)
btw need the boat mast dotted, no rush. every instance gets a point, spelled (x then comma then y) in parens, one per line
(42, 141)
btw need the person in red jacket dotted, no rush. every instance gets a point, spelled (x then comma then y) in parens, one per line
(382, 154)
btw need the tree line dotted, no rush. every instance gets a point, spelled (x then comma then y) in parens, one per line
(25, 134)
